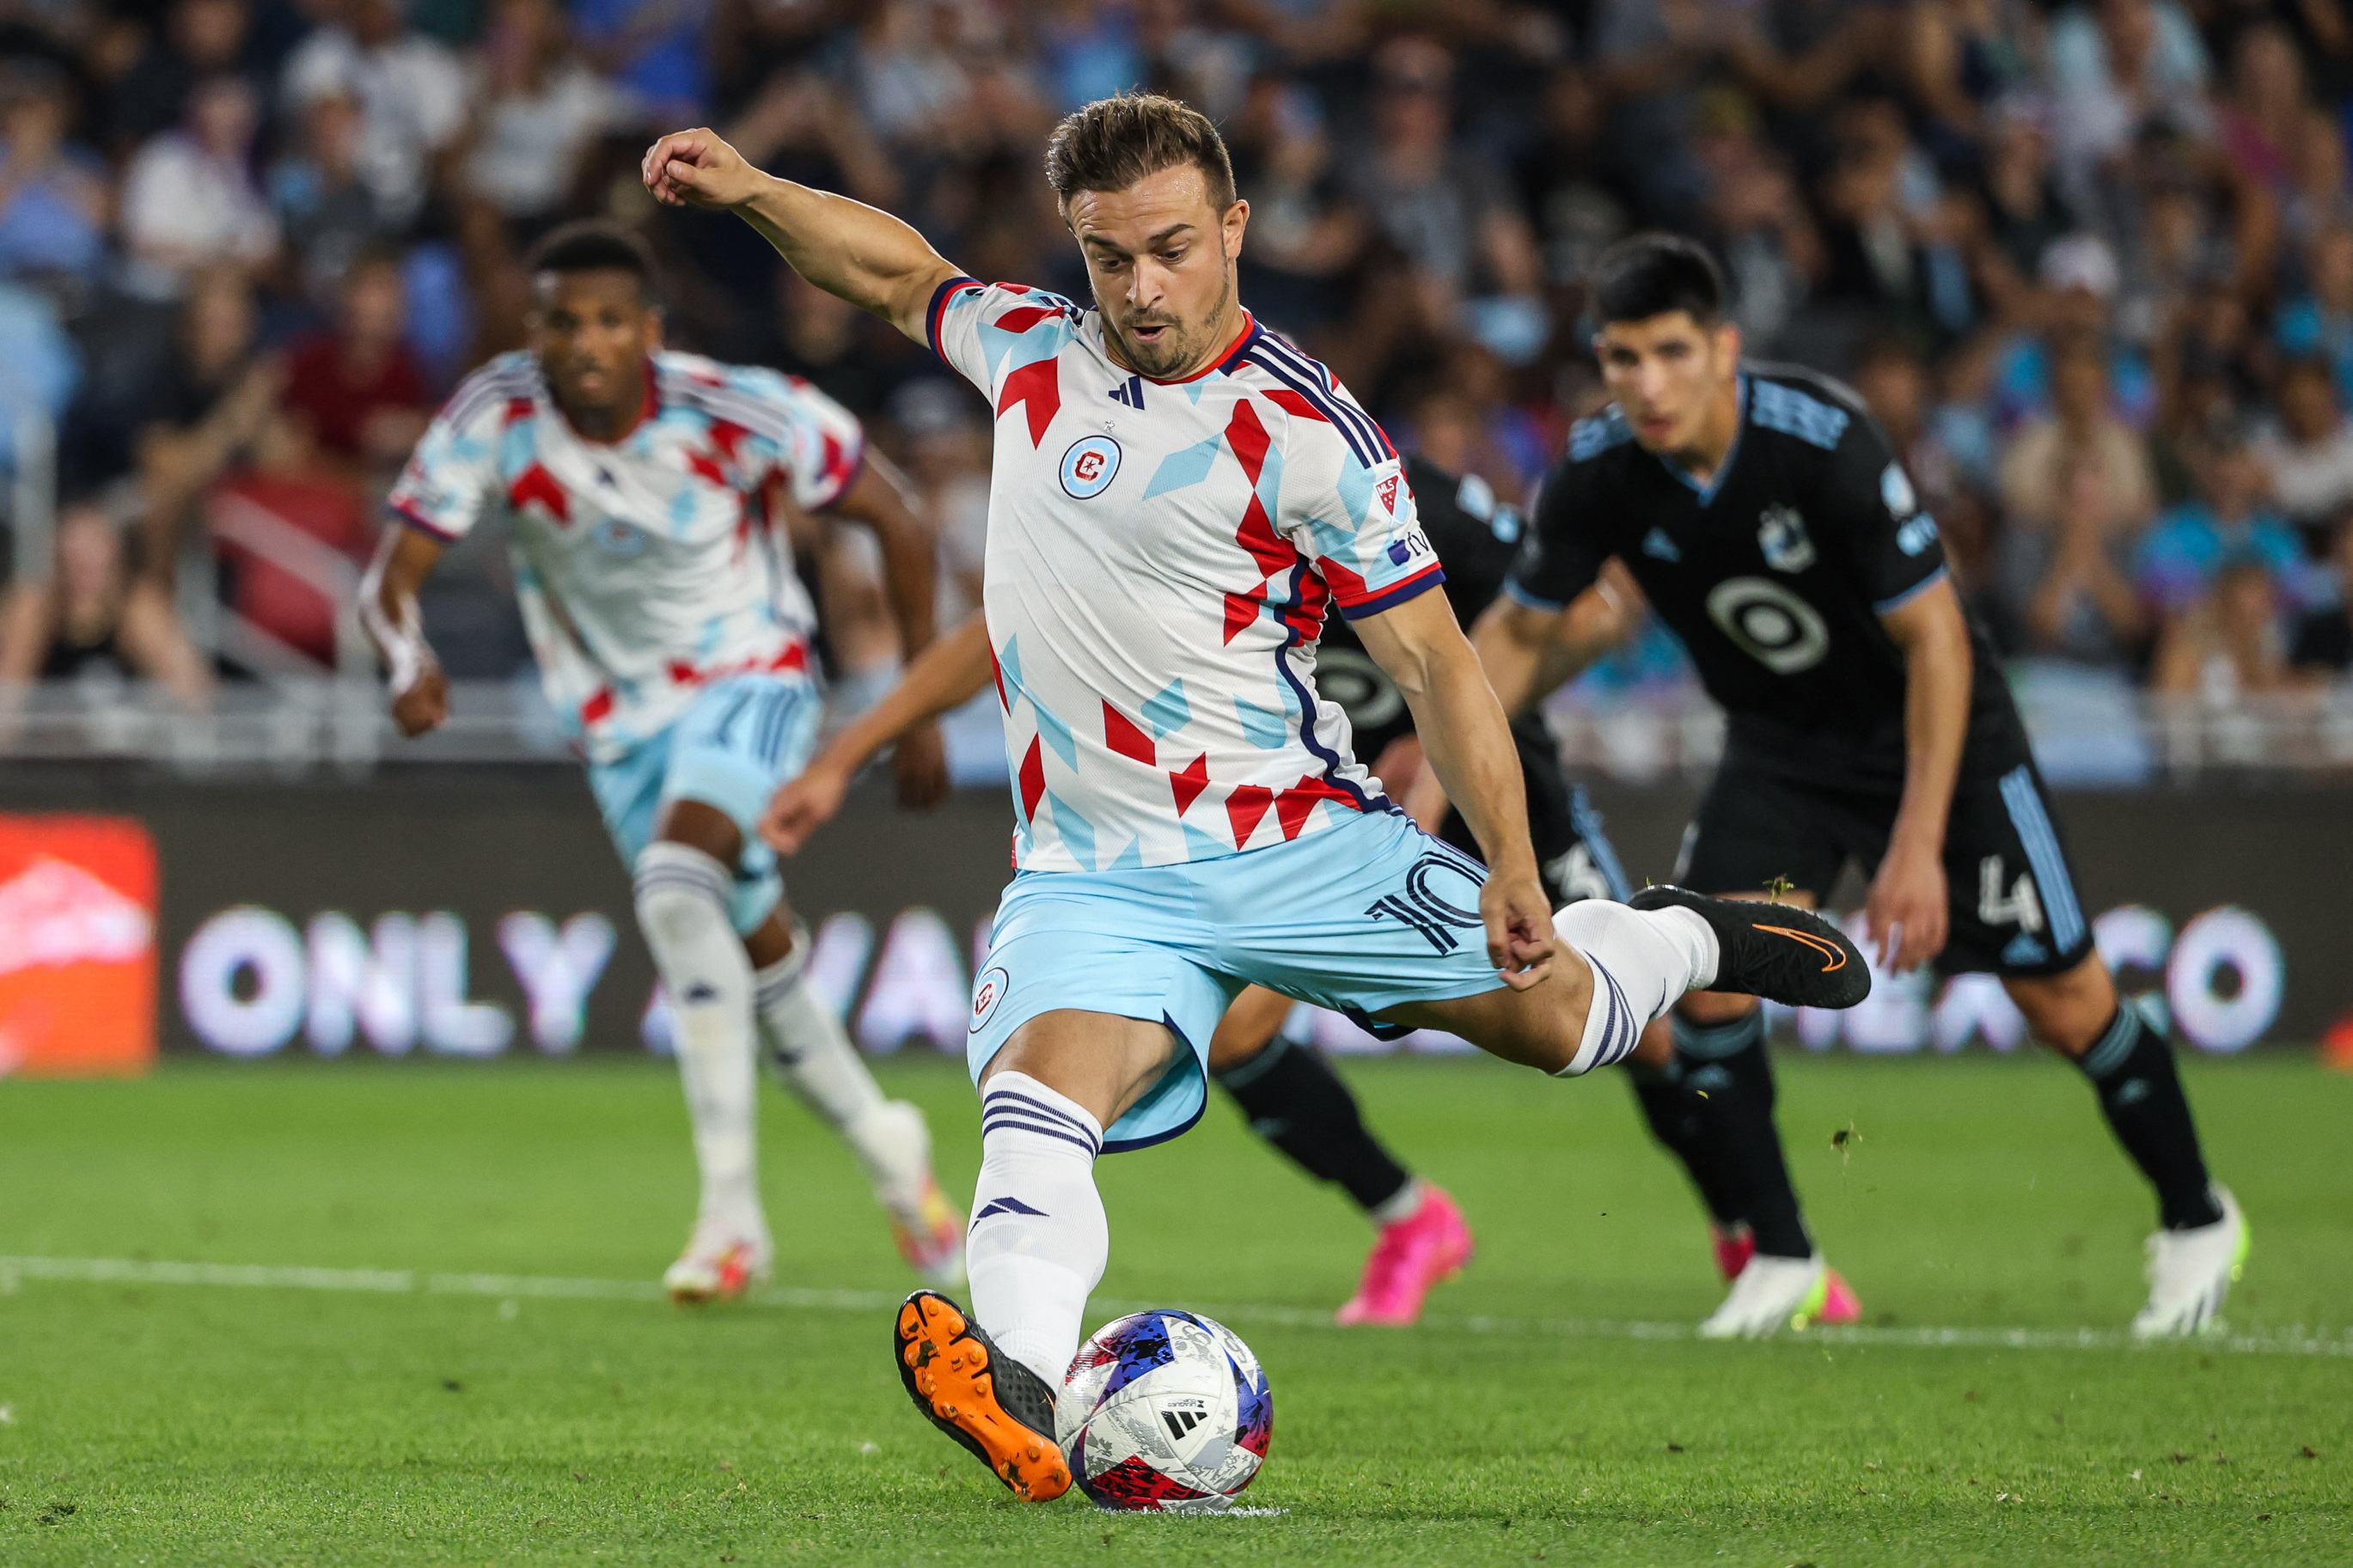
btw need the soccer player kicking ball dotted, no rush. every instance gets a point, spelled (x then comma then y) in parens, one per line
(640, 487)
(1290, 1092)
(1762, 512)
(1293, 1099)
(1176, 499)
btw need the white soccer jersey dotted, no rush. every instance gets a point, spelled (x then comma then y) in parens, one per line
(1160, 557)
(649, 566)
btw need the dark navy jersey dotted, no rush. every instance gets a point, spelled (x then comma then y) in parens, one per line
(1775, 575)
(1476, 537)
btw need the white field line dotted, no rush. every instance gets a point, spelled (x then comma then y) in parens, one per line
(2296, 1341)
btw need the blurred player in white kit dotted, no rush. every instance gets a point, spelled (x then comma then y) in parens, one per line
(643, 491)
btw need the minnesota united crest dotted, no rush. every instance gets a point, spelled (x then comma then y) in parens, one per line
(1781, 535)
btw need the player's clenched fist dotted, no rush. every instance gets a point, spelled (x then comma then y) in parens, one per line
(803, 806)
(697, 168)
(423, 704)
(1517, 913)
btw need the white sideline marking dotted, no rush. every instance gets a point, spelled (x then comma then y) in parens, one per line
(408, 1281)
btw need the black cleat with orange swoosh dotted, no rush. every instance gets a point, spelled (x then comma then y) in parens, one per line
(1778, 951)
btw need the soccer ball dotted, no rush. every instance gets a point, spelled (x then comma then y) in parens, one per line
(1164, 1410)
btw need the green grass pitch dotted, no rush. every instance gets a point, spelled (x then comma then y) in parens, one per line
(462, 1420)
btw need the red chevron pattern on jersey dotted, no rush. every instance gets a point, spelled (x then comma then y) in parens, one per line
(646, 565)
(1163, 554)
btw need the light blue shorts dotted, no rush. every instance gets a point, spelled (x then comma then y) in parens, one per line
(1371, 914)
(743, 738)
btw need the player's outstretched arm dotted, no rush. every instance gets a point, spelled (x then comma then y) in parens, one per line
(1909, 910)
(845, 247)
(1529, 652)
(1468, 743)
(947, 675)
(388, 613)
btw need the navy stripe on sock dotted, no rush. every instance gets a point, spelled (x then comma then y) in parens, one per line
(1621, 1018)
(1007, 1123)
(1002, 1097)
(716, 892)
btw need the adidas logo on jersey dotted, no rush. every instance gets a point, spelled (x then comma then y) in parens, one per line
(1657, 543)
(1130, 391)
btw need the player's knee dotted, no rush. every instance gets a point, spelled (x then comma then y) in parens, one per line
(2067, 1012)
(678, 888)
(1657, 1046)
(1544, 1037)
(1710, 1007)
(1248, 1027)
(699, 825)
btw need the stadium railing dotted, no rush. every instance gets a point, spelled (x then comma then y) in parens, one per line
(2089, 729)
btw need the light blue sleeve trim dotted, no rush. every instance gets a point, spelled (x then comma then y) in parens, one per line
(1887, 606)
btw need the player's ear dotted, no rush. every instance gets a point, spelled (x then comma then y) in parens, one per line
(655, 321)
(1232, 226)
(1727, 342)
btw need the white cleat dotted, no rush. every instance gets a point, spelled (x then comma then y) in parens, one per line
(929, 1231)
(1771, 1294)
(2190, 1272)
(895, 1146)
(720, 1263)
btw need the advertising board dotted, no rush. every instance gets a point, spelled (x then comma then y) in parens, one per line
(476, 913)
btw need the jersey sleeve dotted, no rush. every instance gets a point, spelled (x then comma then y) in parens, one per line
(1869, 501)
(811, 443)
(989, 333)
(1358, 525)
(1562, 552)
(451, 476)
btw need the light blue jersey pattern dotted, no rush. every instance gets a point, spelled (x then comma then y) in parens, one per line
(1370, 915)
(741, 740)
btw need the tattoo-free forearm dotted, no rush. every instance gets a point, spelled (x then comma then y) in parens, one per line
(883, 501)
(1468, 744)
(388, 607)
(947, 675)
(1938, 668)
(847, 248)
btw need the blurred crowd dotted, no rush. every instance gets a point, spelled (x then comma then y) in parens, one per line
(2091, 263)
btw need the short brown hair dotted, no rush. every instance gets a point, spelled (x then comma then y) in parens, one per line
(1112, 142)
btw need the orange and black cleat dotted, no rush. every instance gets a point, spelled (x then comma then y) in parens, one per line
(984, 1399)
(1778, 951)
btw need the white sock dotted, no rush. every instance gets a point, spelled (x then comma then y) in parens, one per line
(813, 1053)
(1039, 1239)
(1642, 962)
(1400, 1207)
(681, 897)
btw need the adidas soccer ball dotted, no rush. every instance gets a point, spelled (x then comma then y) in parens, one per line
(1163, 1410)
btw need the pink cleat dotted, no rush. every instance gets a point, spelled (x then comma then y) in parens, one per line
(1840, 1303)
(1733, 1249)
(1412, 1255)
